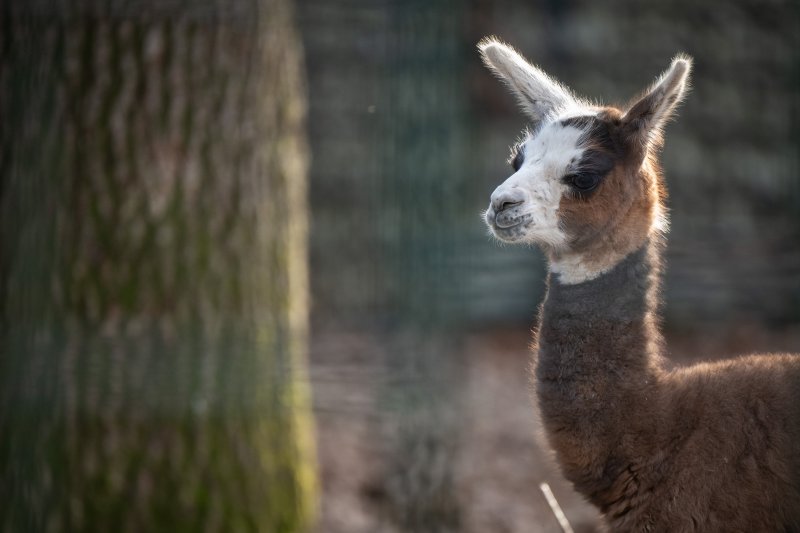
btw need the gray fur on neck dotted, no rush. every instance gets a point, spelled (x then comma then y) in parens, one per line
(596, 368)
(573, 316)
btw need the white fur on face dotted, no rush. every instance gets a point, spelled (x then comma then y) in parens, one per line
(549, 155)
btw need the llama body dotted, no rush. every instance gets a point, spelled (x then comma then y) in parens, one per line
(707, 448)
(712, 447)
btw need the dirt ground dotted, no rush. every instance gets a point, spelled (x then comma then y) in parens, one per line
(500, 460)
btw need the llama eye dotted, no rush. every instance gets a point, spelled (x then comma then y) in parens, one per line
(584, 182)
(518, 160)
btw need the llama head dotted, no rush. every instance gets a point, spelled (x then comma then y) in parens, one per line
(585, 186)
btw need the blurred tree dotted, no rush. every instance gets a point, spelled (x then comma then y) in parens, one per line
(152, 268)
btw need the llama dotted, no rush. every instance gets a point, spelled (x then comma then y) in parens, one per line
(711, 447)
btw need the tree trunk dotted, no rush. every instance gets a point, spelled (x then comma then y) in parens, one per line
(152, 269)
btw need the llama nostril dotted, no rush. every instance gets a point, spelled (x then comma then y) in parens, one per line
(505, 198)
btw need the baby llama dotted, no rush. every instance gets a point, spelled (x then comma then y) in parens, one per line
(713, 447)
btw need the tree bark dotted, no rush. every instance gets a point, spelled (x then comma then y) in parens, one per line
(152, 269)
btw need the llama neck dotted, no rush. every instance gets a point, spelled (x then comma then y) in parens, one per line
(597, 369)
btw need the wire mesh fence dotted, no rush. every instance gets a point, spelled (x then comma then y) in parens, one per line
(410, 135)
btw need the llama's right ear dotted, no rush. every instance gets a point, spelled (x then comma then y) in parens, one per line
(538, 94)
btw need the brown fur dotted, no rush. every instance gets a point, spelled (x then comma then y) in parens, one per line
(713, 447)
(617, 218)
(708, 448)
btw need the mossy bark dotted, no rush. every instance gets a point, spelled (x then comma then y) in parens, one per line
(152, 269)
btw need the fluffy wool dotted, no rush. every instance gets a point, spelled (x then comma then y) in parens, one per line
(707, 448)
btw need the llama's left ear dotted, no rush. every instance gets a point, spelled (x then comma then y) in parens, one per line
(538, 94)
(645, 118)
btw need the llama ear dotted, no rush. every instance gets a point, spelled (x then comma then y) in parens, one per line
(538, 94)
(645, 117)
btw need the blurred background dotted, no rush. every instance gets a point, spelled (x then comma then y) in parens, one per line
(245, 282)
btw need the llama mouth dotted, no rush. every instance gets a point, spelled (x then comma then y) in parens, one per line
(514, 228)
(506, 228)
(512, 232)
(508, 224)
